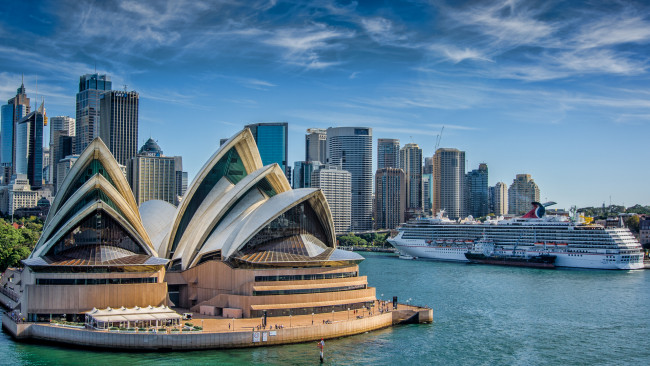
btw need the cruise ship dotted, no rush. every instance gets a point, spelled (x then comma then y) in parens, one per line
(575, 244)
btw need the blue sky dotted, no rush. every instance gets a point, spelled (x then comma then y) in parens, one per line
(556, 89)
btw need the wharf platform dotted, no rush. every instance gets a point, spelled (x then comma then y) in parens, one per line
(220, 333)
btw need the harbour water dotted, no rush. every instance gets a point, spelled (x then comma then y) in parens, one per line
(484, 315)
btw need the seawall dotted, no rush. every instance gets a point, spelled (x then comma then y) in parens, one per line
(205, 340)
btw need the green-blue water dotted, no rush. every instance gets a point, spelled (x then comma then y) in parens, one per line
(484, 315)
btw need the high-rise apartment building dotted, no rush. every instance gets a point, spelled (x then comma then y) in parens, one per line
(427, 194)
(388, 153)
(63, 167)
(152, 175)
(181, 177)
(449, 182)
(272, 140)
(62, 123)
(390, 190)
(119, 123)
(428, 166)
(336, 185)
(47, 178)
(12, 112)
(29, 147)
(410, 160)
(477, 191)
(63, 145)
(351, 149)
(499, 199)
(316, 145)
(60, 126)
(521, 193)
(302, 172)
(91, 87)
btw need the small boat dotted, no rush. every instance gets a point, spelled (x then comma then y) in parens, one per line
(538, 261)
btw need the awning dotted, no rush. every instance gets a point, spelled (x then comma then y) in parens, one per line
(110, 319)
(139, 317)
(166, 316)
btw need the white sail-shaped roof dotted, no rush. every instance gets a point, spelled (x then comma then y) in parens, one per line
(95, 189)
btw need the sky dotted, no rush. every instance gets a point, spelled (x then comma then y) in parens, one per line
(556, 89)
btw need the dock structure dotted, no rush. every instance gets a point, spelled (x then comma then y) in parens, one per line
(220, 333)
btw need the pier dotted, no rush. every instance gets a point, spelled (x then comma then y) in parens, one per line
(222, 333)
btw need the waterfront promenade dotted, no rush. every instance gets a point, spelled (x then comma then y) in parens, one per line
(221, 333)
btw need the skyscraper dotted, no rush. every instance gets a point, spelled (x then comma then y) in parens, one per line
(91, 87)
(316, 145)
(336, 186)
(12, 112)
(428, 166)
(62, 123)
(152, 175)
(387, 153)
(46, 165)
(499, 199)
(477, 191)
(351, 149)
(60, 126)
(449, 182)
(181, 177)
(410, 160)
(427, 193)
(302, 172)
(390, 206)
(29, 147)
(521, 193)
(119, 123)
(272, 140)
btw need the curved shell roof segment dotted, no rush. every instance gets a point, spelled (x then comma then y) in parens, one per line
(94, 186)
(95, 159)
(222, 201)
(234, 160)
(234, 238)
(157, 217)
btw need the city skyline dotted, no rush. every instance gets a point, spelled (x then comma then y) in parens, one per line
(554, 90)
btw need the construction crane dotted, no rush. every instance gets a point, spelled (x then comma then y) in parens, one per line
(438, 139)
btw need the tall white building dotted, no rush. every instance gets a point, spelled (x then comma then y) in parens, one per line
(21, 195)
(152, 175)
(521, 193)
(449, 182)
(351, 149)
(63, 167)
(316, 145)
(336, 185)
(410, 160)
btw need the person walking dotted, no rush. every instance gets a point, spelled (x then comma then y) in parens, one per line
(321, 345)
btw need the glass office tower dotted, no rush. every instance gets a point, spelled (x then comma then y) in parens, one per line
(272, 140)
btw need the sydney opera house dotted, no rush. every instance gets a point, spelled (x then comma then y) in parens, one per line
(241, 241)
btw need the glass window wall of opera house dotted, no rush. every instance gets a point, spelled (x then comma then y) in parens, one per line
(240, 239)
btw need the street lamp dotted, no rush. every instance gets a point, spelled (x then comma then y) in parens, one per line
(289, 320)
(312, 318)
(233, 323)
(332, 315)
(348, 314)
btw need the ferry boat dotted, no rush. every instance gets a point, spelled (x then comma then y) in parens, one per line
(485, 252)
(573, 243)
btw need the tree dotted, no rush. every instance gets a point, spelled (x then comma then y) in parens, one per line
(632, 223)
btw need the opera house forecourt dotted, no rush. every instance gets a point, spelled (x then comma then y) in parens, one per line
(242, 250)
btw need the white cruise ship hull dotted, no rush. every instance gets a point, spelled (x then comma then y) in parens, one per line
(574, 247)
(419, 251)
